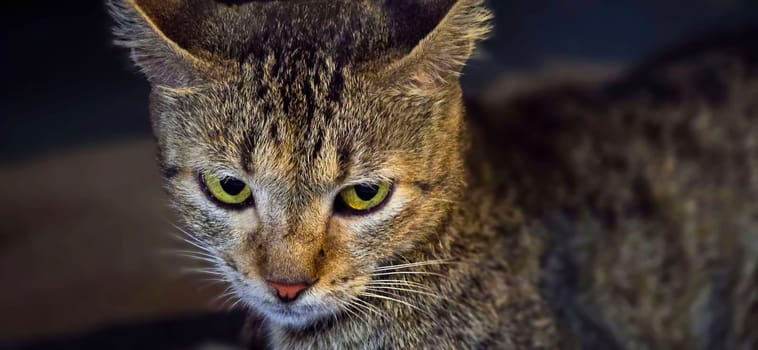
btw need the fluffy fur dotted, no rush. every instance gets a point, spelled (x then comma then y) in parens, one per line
(590, 196)
(644, 192)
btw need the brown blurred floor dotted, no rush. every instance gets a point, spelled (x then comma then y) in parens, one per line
(83, 236)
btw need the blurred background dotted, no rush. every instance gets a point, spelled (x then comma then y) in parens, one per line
(84, 227)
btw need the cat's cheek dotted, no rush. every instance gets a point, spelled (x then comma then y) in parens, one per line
(368, 237)
(244, 222)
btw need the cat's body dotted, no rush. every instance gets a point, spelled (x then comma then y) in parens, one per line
(644, 190)
(572, 218)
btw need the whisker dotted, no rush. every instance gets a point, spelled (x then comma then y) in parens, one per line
(200, 246)
(404, 281)
(215, 271)
(185, 252)
(193, 240)
(205, 254)
(405, 290)
(348, 310)
(365, 316)
(399, 283)
(225, 294)
(353, 308)
(395, 300)
(408, 273)
(234, 305)
(227, 300)
(420, 263)
(194, 257)
(205, 283)
(369, 307)
(210, 274)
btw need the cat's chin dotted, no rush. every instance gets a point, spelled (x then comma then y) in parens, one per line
(293, 321)
(293, 317)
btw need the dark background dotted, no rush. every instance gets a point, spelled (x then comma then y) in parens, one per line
(81, 200)
(65, 84)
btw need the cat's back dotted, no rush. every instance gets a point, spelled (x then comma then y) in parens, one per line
(645, 190)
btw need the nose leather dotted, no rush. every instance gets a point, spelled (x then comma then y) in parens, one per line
(288, 292)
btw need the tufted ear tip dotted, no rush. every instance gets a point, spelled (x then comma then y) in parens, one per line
(150, 29)
(439, 58)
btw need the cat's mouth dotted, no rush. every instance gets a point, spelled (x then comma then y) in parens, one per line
(297, 314)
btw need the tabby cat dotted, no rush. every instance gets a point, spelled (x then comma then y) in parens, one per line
(320, 155)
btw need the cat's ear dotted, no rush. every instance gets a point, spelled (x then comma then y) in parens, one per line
(159, 34)
(440, 56)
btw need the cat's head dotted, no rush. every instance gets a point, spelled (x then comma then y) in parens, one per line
(306, 144)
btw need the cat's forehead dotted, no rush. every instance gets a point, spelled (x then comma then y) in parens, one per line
(298, 126)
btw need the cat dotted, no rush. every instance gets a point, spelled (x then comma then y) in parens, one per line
(321, 155)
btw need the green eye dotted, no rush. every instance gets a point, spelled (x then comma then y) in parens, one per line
(229, 191)
(362, 198)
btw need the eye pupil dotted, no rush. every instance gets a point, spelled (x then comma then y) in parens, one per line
(366, 192)
(232, 186)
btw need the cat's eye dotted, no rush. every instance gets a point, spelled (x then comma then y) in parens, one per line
(363, 198)
(227, 190)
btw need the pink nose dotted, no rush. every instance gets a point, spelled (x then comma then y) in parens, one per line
(288, 292)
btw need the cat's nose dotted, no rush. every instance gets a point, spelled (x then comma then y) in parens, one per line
(288, 292)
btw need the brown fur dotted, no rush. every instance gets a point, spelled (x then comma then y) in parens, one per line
(299, 99)
(645, 191)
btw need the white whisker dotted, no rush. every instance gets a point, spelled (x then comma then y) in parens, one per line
(369, 307)
(365, 316)
(408, 265)
(234, 305)
(395, 300)
(399, 283)
(225, 294)
(408, 273)
(190, 253)
(346, 307)
(379, 288)
(194, 241)
(199, 258)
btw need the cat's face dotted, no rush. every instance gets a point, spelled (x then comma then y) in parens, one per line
(327, 190)
(300, 173)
